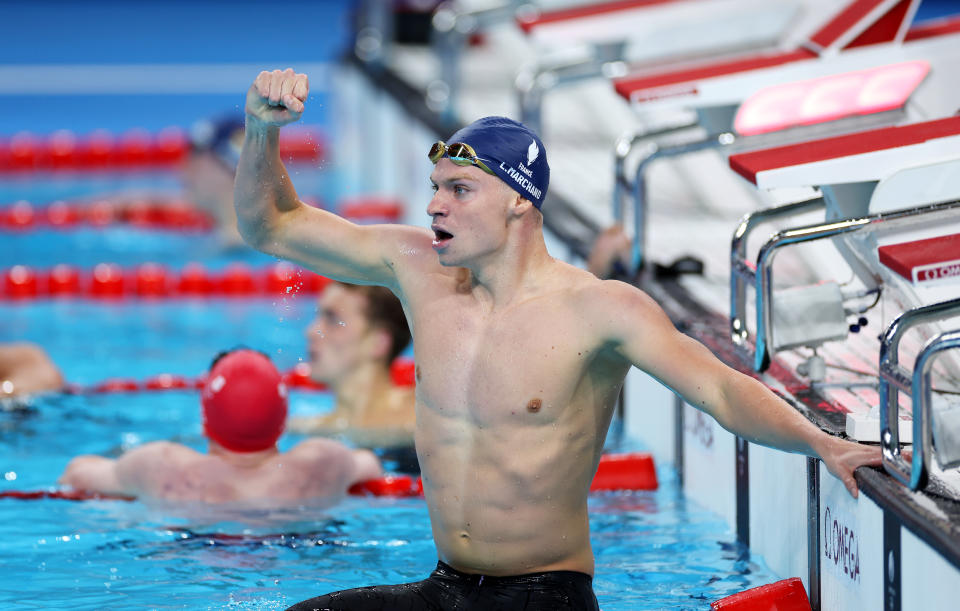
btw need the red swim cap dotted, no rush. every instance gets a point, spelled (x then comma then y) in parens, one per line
(244, 402)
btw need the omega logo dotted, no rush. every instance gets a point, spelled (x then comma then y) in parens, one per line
(841, 546)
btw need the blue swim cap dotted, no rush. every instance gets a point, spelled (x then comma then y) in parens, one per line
(222, 136)
(511, 150)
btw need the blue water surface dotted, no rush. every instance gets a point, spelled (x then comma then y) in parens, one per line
(654, 550)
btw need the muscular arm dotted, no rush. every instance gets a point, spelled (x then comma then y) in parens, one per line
(643, 334)
(272, 218)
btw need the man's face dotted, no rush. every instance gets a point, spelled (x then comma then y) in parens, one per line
(469, 210)
(340, 338)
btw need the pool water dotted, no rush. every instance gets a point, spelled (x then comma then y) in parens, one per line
(654, 550)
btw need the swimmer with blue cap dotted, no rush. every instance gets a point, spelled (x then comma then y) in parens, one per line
(208, 172)
(520, 359)
(244, 407)
(501, 147)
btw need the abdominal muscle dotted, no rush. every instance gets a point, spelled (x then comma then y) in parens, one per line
(507, 500)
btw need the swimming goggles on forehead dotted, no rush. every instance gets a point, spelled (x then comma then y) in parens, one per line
(459, 153)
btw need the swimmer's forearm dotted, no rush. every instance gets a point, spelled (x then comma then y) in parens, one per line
(262, 189)
(758, 415)
(764, 418)
(92, 473)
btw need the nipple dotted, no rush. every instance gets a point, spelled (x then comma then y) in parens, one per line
(534, 406)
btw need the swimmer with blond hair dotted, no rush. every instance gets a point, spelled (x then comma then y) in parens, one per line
(244, 410)
(520, 359)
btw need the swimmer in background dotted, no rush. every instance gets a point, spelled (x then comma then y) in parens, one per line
(206, 176)
(520, 360)
(356, 335)
(610, 253)
(208, 173)
(26, 369)
(244, 410)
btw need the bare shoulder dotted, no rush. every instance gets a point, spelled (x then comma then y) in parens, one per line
(409, 252)
(599, 294)
(613, 307)
(144, 468)
(159, 453)
(316, 448)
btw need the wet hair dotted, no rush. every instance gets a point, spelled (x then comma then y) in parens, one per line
(223, 353)
(385, 311)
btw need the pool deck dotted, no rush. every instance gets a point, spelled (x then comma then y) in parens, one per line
(695, 204)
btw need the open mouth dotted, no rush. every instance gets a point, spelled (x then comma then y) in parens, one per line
(441, 237)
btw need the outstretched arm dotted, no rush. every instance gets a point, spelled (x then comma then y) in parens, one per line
(643, 334)
(92, 473)
(272, 218)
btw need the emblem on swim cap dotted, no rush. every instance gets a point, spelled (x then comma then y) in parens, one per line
(532, 152)
(513, 152)
(244, 402)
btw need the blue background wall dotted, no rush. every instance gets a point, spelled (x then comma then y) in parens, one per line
(152, 63)
(111, 60)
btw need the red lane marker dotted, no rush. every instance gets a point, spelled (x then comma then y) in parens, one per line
(67, 495)
(786, 595)
(152, 280)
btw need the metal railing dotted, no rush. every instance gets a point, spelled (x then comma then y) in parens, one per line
(623, 189)
(894, 379)
(453, 24)
(762, 271)
(535, 79)
(719, 138)
(743, 270)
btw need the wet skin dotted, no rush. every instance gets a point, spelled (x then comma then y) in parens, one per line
(498, 326)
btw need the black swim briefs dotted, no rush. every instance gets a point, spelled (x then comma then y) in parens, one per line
(447, 589)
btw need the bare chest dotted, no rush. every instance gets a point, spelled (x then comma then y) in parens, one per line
(526, 362)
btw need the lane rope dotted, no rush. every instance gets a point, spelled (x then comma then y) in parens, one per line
(632, 471)
(171, 214)
(134, 149)
(402, 372)
(155, 281)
